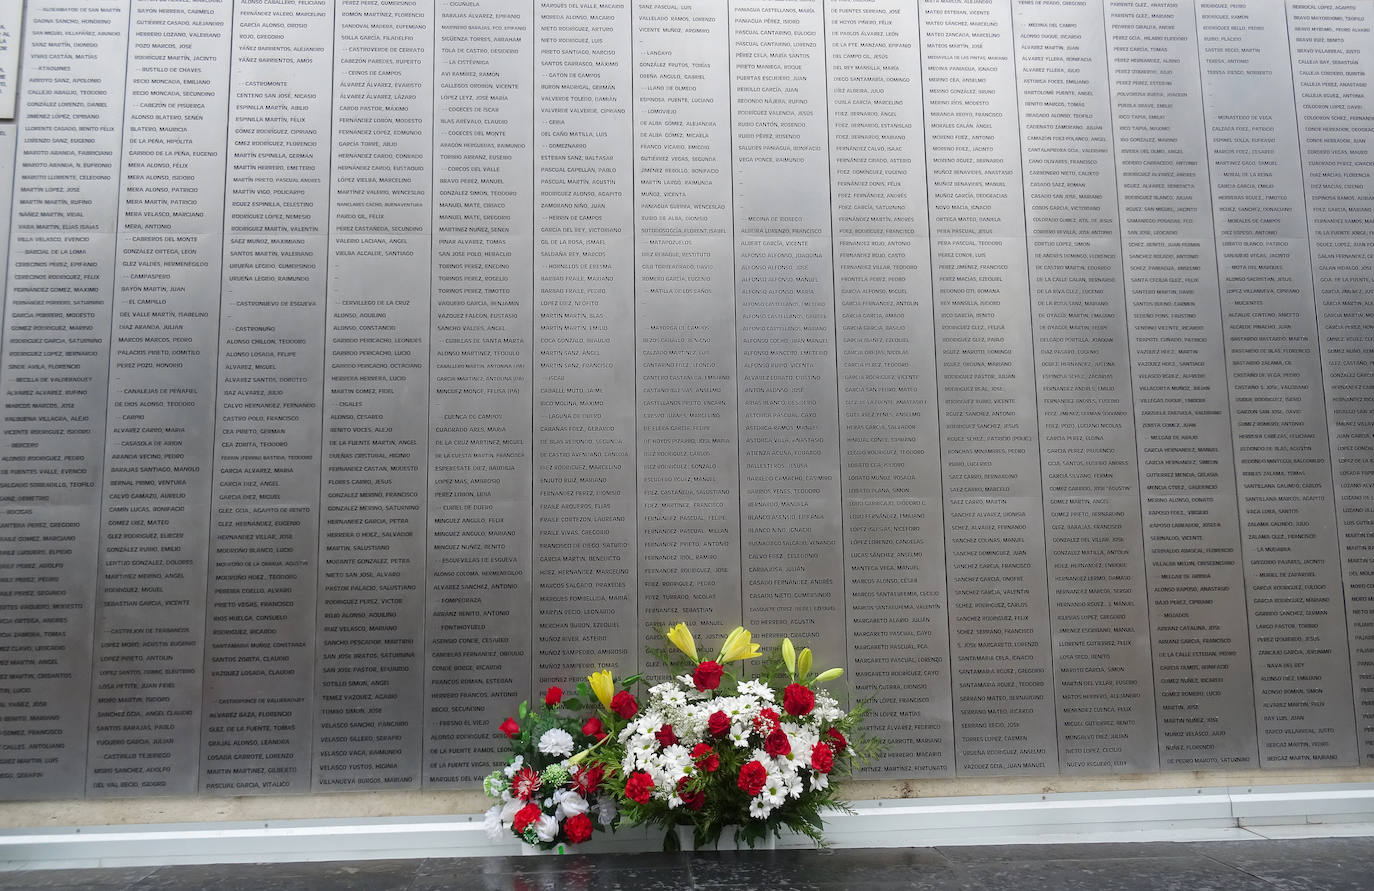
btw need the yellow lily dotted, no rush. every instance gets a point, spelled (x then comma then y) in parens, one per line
(738, 645)
(789, 657)
(681, 638)
(804, 661)
(829, 675)
(602, 685)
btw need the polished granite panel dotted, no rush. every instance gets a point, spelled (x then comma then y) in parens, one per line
(1331, 864)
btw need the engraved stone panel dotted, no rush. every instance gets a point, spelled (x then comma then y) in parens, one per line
(584, 413)
(792, 541)
(260, 623)
(1098, 606)
(1293, 584)
(1332, 47)
(1192, 534)
(688, 414)
(894, 526)
(478, 613)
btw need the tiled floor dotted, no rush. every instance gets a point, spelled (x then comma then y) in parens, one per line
(1324, 864)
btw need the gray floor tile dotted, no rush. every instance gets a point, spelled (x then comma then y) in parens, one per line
(369, 875)
(1318, 864)
(1085, 851)
(1196, 873)
(73, 879)
(564, 873)
(826, 869)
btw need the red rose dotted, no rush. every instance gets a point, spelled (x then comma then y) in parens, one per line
(639, 786)
(527, 815)
(665, 736)
(718, 723)
(553, 696)
(594, 727)
(777, 744)
(624, 705)
(705, 757)
(822, 759)
(586, 779)
(694, 801)
(798, 700)
(707, 675)
(752, 776)
(510, 728)
(578, 828)
(837, 740)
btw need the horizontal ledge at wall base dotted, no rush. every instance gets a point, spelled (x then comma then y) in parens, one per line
(1159, 815)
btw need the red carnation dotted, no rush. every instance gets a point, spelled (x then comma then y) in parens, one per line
(524, 784)
(586, 779)
(798, 700)
(694, 801)
(510, 728)
(639, 786)
(837, 740)
(553, 696)
(822, 759)
(624, 705)
(777, 744)
(752, 777)
(771, 716)
(595, 728)
(707, 675)
(705, 757)
(718, 723)
(665, 736)
(527, 815)
(578, 828)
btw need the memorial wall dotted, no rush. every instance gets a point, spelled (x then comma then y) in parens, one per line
(368, 365)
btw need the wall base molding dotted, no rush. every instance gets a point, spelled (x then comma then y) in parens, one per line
(1200, 814)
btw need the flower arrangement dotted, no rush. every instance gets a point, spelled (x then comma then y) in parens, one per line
(711, 750)
(550, 794)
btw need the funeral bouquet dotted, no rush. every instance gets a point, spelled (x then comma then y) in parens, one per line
(711, 750)
(550, 793)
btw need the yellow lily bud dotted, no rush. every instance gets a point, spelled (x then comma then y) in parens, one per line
(829, 675)
(789, 656)
(804, 661)
(737, 646)
(602, 685)
(681, 638)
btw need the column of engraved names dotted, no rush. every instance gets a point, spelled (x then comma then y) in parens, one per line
(894, 553)
(368, 725)
(156, 502)
(1192, 536)
(1332, 46)
(584, 498)
(1092, 498)
(1297, 618)
(789, 474)
(685, 319)
(994, 527)
(479, 434)
(52, 391)
(260, 621)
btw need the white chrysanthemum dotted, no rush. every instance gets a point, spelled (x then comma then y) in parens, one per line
(687, 680)
(546, 828)
(757, 689)
(820, 781)
(794, 784)
(491, 822)
(556, 741)
(759, 807)
(606, 810)
(774, 789)
(513, 768)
